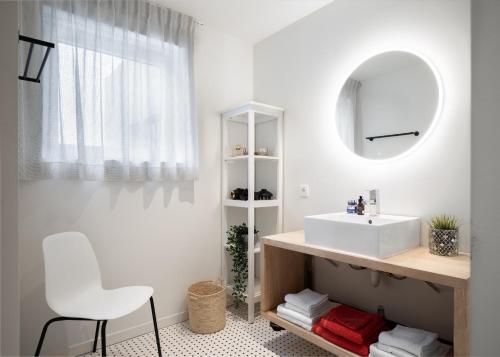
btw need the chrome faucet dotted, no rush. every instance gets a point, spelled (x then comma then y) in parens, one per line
(373, 202)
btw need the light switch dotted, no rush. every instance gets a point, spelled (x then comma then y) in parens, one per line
(305, 191)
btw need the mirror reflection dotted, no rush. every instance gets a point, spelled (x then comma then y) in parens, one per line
(387, 105)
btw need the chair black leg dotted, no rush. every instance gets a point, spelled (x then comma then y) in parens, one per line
(96, 336)
(44, 331)
(46, 326)
(103, 338)
(158, 346)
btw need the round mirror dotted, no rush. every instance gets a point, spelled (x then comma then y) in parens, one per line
(387, 105)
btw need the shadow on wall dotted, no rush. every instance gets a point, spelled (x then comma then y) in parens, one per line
(185, 188)
(85, 190)
(99, 210)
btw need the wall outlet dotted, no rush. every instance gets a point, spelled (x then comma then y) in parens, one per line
(305, 191)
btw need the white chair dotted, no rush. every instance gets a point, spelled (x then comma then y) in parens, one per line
(73, 287)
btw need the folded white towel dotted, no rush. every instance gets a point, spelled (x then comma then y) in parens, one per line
(289, 318)
(417, 342)
(318, 310)
(306, 300)
(381, 350)
(283, 310)
(442, 350)
(375, 351)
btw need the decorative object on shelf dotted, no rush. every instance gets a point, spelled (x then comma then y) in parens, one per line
(240, 194)
(32, 42)
(207, 307)
(262, 152)
(237, 247)
(263, 195)
(443, 235)
(239, 150)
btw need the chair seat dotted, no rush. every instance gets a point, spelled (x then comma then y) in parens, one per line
(100, 304)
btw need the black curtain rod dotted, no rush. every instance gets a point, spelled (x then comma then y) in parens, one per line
(36, 41)
(371, 138)
(32, 42)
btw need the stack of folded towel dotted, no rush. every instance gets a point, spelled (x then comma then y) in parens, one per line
(349, 328)
(407, 342)
(304, 308)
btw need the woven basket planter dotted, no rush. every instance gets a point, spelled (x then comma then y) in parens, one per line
(443, 242)
(207, 307)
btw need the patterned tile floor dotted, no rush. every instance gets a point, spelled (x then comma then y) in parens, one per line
(239, 338)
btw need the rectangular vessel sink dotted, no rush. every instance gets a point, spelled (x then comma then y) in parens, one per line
(379, 236)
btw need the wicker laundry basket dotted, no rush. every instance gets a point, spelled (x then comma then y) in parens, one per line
(207, 307)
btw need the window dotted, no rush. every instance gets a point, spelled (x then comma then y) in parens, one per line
(117, 95)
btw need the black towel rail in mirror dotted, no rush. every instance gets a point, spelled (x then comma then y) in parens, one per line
(32, 42)
(371, 138)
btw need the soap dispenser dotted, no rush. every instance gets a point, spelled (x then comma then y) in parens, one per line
(373, 202)
(361, 206)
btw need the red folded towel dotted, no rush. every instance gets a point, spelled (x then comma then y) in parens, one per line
(360, 349)
(360, 336)
(350, 317)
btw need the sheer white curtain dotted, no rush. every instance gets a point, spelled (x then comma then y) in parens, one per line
(346, 113)
(116, 99)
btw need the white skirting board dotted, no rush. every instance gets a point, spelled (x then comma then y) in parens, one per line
(125, 334)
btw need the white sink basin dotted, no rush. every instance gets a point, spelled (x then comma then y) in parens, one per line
(385, 236)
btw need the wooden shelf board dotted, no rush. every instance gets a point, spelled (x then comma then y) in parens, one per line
(257, 290)
(235, 203)
(260, 109)
(266, 157)
(416, 263)
(256, 204)
(236, 158)
(260, 118)
(315, 339)
(307, 335)
(255, 251)
(257, 158)
(266, 203)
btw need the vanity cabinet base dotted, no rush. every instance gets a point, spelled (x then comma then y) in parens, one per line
(283, 266)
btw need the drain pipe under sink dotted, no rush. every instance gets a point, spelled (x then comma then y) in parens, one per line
(375, 278)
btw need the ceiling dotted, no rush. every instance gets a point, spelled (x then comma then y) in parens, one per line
(249, 20)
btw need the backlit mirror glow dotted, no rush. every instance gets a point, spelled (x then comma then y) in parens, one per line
(387, 105)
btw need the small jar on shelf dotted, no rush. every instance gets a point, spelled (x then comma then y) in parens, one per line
(239, 150)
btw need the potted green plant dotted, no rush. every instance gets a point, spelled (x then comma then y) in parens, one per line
(443, 235)
(237, 246)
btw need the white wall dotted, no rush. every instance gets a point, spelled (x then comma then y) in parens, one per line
(401, 101)
(302, 69)
(485, 291)
(164, 236)
(9, 287)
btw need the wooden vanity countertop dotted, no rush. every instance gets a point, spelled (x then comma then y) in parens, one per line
(416, 263)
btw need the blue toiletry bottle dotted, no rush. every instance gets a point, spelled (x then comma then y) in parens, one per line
(351, 207)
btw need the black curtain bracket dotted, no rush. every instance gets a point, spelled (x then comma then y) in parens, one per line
(371, 138)
(33, 42)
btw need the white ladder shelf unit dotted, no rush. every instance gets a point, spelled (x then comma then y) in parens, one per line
(252, 125)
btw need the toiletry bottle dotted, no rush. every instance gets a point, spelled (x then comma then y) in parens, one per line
(361, 206)
(351, 206)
